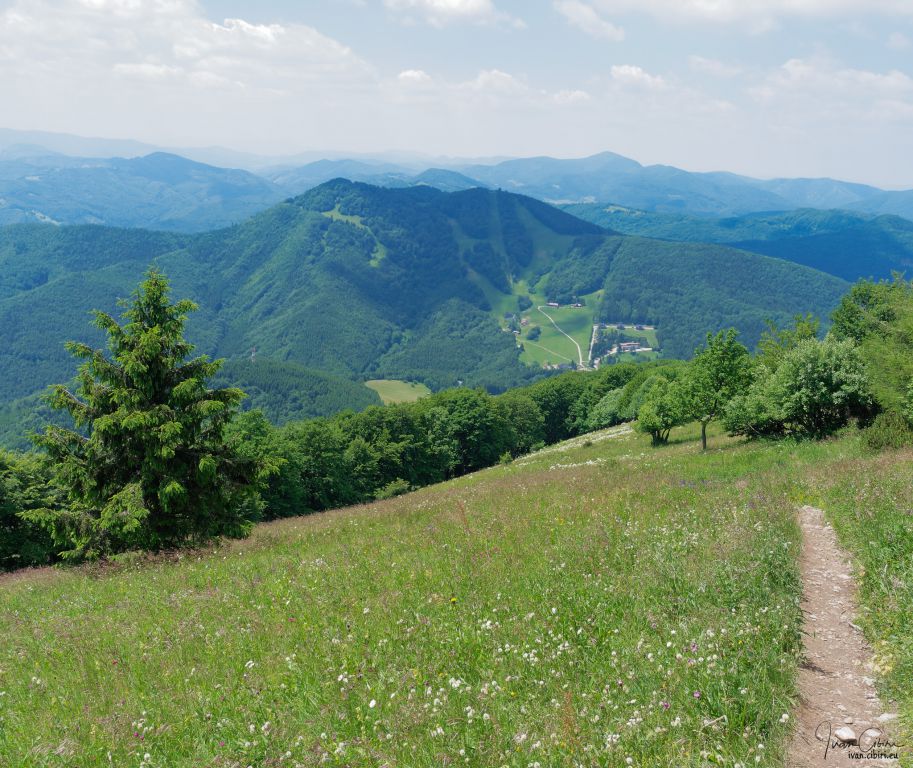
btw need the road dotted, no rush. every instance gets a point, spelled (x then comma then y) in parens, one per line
(589, 360)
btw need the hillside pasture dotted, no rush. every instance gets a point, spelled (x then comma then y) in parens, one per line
(393, 391)
(553, 346)
(594, 602)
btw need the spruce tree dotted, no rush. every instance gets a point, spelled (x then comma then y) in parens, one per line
(148, 465)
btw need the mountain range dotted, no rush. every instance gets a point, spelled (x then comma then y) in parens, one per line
(164, 190)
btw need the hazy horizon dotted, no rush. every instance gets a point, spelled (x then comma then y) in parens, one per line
(769, 89)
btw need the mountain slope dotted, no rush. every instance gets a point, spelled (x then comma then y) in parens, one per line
(690, 289)
(611, 178)
(846, 244)
(362, 282)
(160, 191)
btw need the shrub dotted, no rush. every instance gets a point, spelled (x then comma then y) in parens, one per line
(817, 388)
(394, 488)
(606, 412)
(889, 430)
(662, 409)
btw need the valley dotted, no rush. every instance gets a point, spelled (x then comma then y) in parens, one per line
(364, 283)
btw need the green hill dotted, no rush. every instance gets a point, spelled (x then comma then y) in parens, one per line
(688, 289)
(368, 283)
(846, 244)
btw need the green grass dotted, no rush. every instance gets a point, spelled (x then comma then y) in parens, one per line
(596, 601)
(380, 250)
(553, 346)
(393, 391)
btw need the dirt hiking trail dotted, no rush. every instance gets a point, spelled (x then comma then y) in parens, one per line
(840, 721)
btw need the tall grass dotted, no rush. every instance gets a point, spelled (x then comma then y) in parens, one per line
(598, 603)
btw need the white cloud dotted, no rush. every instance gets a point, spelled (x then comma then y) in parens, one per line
(571, 97)
(86, 40)
(159, 70)
(496, 81)
(489, 89)
(414, 77)
(759, 15)
(586, 19)
(825, 77)
(634, 76)
(817, 90)
(712, 67)
(439, 13)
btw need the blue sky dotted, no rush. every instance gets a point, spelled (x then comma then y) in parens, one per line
(764, 87)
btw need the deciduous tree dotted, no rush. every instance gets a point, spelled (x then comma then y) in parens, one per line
(717, 374)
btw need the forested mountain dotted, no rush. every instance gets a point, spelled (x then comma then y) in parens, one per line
(689, 288)
(846, 244)
(158, 191)
(362, 282)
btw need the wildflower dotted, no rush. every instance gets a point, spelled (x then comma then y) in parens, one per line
(372, 704)
(697, 694)
(784, 717)
(665, 704)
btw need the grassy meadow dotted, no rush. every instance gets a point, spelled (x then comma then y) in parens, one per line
(596, 603)
(393, 391)
(553, 346)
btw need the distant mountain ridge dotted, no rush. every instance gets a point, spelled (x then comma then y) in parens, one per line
(156, 191)
(40, 180)
(612, 178)
(846, 244)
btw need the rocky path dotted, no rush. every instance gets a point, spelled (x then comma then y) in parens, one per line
(840, 719)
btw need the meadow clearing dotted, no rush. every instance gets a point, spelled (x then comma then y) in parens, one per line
(597, 603)
(395, 391)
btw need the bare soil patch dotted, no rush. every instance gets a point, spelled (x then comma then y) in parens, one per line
(841, 721)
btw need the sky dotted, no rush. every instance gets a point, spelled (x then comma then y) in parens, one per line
(768, 88)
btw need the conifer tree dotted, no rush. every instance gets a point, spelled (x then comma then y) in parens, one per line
(148, 465)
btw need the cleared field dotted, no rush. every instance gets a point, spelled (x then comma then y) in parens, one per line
(394, 391)
(591, 603)
(552, 346)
